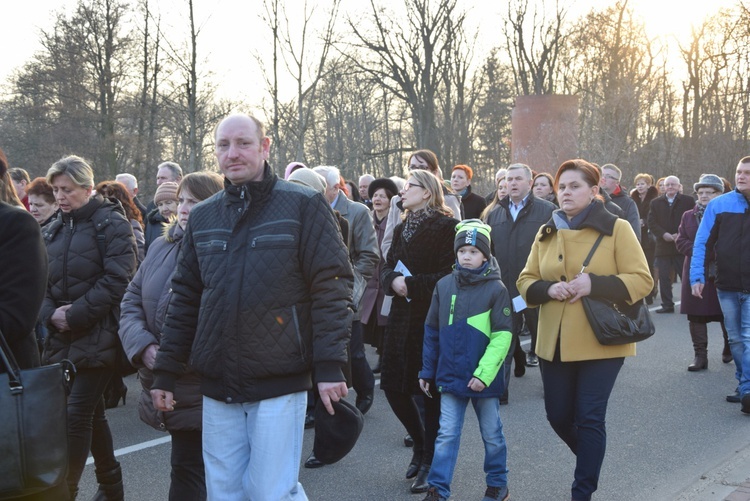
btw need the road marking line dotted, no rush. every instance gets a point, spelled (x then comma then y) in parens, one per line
(136, 447)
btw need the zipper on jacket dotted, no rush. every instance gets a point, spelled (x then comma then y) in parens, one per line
(453, 307)
(296, 330)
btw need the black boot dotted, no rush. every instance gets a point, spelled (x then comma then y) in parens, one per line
(726, 355)
(420, 483)
(699, 334)
(110, 485)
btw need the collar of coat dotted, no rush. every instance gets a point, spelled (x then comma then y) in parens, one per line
(599, 219)
(253, 194)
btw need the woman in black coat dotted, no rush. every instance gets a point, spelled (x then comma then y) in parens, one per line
(92, 257)
(421, 254)
(472, 204)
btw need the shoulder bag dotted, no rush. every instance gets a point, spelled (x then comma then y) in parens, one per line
(616, 323)
(34, 430)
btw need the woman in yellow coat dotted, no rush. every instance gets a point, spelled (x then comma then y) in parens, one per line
(578, 373)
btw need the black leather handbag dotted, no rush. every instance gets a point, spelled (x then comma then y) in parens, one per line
(34, 429)
(615, 323)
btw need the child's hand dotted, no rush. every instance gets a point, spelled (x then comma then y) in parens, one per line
(425, 386)
(475, 384)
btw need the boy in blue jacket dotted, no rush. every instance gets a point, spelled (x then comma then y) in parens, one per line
(467, 335)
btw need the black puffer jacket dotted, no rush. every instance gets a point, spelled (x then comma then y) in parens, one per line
(261, 294)
(155, 228)
(92, 283)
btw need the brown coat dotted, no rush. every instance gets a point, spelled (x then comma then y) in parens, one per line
(558, 255)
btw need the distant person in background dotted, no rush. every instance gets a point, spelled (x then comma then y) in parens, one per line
(543, 186)
(664, 219)
(500, 174)
(643, 193)
(165, 210)
(660, 185)
(610, 182)
(131, 183)
(20, 180)
(352, 191)
(293, 167)
(118, 191)
(167, 172)
(364, 184)
(42, 204)
(472, 203)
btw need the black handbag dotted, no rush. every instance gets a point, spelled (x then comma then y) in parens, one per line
(34, 430)
(616, 323)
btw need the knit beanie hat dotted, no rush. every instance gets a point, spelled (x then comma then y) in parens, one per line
(473, 232)
(293, 167)
(310, 178)
(166, 191)
(709, 181)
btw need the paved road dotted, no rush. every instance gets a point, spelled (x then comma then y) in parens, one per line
(671, 436)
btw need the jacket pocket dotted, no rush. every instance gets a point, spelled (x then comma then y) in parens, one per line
(273, 241)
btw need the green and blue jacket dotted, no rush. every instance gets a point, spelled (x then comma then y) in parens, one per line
(467, 332)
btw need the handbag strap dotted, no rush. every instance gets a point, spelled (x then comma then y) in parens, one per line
(591, 252)
(11, 366)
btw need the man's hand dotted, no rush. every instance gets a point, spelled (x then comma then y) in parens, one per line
(59, 320)
(163, 400)
(149, 356)
(668, 237)
(331, 392)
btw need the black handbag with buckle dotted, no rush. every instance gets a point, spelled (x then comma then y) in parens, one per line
(34, 430)
(614, 323)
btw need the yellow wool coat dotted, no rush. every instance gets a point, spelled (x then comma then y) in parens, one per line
(557, 255)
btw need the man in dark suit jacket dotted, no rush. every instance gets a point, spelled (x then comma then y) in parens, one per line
(663, 220)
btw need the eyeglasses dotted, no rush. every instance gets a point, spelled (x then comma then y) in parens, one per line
(409, 184)
(613, 178)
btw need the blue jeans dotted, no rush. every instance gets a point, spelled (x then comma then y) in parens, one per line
(575, 398)
(736, 309)
(452, 412)
(666, 264)
(253, 450)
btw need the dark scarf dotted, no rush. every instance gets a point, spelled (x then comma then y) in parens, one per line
(563, 223)
(414, 220)
(699, 210)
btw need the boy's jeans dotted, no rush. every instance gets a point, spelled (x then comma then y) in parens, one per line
(452, 412)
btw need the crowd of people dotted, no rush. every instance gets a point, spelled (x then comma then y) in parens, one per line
(245, 301)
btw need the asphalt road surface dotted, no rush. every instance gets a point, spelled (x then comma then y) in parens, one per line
(667, 428)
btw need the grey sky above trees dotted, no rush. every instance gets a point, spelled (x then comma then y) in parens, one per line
(117, 83)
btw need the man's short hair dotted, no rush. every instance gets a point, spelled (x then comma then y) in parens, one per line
(330, 173)
(174, 168)
(129, 180)
(614, 168)
(366, 177)
(525, 168)
(258, 125)
(18, 174)
(745, 160)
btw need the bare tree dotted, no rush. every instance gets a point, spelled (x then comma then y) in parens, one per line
(534, 56)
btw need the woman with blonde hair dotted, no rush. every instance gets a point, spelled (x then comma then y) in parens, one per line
(421, 254)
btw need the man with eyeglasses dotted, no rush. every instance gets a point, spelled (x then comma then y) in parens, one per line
(610, 182)
(664, 220)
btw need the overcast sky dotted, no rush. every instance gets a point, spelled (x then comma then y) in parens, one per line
(232, 27)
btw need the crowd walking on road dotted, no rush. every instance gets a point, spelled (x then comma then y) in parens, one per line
(245, 300)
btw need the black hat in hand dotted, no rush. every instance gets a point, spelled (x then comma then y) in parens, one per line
(336, 435)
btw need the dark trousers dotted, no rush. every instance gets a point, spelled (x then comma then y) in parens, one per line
(88, 429)
(575, 398)
(515, 352)
(363, 380)
(407, 411)
(188, 474)
(666, 264)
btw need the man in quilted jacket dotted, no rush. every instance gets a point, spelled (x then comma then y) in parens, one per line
(260, 308)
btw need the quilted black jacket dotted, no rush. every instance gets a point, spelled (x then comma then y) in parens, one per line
(91, 282)
(261, 294)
